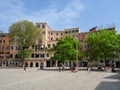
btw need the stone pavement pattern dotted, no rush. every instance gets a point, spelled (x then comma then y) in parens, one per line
(34, 79)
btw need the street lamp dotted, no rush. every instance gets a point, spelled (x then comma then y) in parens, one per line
(42, 64)
(42, 47)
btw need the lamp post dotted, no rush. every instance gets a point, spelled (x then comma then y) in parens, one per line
(76, 53)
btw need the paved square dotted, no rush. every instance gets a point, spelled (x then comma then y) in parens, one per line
(34, 79)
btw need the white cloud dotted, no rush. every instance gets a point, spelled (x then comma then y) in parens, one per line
(15, 11)
(9, 11)
(65, 17)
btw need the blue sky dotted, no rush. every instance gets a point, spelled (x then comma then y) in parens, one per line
(61, 14)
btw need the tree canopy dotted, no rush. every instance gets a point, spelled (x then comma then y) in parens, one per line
(65, 49)
(24, 34)
(102, 44)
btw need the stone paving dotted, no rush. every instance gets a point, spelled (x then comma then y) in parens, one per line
(50, 79)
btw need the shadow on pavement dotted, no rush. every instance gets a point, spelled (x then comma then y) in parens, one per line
(110, 85)
(116, 76)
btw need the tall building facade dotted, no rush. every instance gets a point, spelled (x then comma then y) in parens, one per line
(41, 52)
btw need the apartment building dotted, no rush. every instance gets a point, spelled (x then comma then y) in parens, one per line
(41, 52)
(3, 48)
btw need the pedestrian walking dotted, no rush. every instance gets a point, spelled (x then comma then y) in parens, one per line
(74, 67)
(41, 66)
(60, 66)
(24, 68)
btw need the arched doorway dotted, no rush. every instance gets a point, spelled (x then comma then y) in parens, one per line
(16, 64)
(31, 64)
(36, 64)
(48, 64)
(26, 64)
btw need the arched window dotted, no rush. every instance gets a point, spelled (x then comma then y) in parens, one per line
(26, 64)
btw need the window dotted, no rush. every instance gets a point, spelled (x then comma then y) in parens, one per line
(48, 45)
(56, 33)
(51, 33)
(85, 46)
(42, 55)
(1, 56)
(48, 55)
(43, 26)
(16, 56)
(2, 35)
(11, 47)
(38, 26)
(56, 38)
(2, 48)
(53, 45)
(51, 38)
(32, 55)
(10, 56)
(0, 41)
(8, 47)
(37, 55)
(61, 33)
(76, 30)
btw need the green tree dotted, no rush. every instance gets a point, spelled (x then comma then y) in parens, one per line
(25, 34)
(107, 43)
(118, 48)
(65, 49)
(102, 45)
(92, 51)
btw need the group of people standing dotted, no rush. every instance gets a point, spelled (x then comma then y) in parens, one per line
(73, 66)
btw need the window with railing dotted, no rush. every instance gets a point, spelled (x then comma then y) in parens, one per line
(42, 55)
